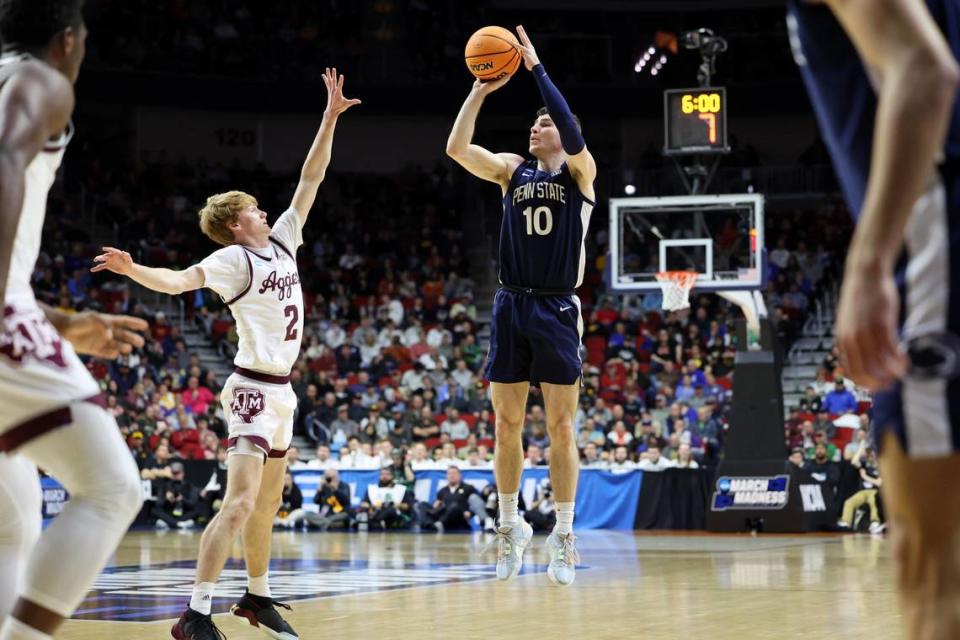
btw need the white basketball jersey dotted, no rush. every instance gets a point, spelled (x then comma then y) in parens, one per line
(38, 369)
(262, 288)
(39, 177)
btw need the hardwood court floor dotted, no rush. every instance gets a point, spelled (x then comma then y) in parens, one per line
(398, 585)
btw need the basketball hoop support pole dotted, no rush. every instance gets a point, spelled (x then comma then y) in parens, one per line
(700, 176)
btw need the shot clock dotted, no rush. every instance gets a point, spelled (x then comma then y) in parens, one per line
(695, 120)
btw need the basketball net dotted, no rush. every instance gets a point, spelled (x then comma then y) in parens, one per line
(676, 286)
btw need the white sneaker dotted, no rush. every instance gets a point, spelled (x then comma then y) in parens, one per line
(161, 525)
(562, 569)
(877, 527)
(511, 541)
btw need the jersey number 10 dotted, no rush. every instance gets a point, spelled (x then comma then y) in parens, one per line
(539, 220)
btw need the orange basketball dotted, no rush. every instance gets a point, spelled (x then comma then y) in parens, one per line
(492, 53)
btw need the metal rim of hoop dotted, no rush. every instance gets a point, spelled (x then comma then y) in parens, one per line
(676, 286)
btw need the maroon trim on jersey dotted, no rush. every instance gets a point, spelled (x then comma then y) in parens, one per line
(43, 424)
(262, 377)
(99, 400)
(268, 259)
(249, 282)
(282, 246)
(257, 441)
(34, 428)
(278, 453)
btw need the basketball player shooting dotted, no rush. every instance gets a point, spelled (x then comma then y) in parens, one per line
(537, 326)
(51, 411)
(895, 144)
(256, 275)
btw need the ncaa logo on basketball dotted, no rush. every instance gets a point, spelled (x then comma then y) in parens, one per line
(763, 492)
(247, 403)
(481, 66)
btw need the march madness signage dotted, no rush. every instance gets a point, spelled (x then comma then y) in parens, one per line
(751, 492)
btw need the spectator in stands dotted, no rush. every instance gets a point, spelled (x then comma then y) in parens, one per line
(343, 428)
(305, 409)
(211, 496)
(619, 436)
(157, 466)
(685, 457)
(797, 458)
(811, 400)
(538, 436)
(591, 457)
(420, 457)
(861, 438)
(484, 427)
(323, 459)
(825, 423)
(583, 437)
(651, 460)
(196, 398)
(388, 505)
(374, 427)
(822, 468)
(178, 501)
(427, 427)
(542, 514)
(621, 460)
(454, 425)
(462, 375)
(840, 400)
(333, 498)
(291, 503)
(455, 505)
(534, 457)
(820, 438)
(865, 461)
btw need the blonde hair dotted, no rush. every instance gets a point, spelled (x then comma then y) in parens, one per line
(222, 210)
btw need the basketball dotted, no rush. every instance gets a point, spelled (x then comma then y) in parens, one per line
(492, 53)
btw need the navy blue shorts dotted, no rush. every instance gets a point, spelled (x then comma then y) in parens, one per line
(534, 339)
(923, 409)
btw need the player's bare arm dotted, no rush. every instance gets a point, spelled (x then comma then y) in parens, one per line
(318, 158)
(579, 159)
(158, 279)
(98, 334)
(35, 105)
(898, 40)
(481, 162)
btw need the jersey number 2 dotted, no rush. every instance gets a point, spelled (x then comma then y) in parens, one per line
(539, 220)
(291, 312)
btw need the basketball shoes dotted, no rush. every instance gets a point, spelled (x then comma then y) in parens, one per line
(562, 569)
(261, 613)
(511, 542)
(193, 625)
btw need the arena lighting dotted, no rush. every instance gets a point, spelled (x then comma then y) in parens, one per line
(664, 44)
(629, 189)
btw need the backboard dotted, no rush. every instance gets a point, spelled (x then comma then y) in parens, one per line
(718, 236)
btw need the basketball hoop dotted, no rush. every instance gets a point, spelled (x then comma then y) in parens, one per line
(676, 286)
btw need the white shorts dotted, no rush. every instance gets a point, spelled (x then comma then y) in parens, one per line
(261, 412)
(40, 374)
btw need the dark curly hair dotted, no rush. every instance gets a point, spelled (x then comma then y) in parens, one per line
(31, 24)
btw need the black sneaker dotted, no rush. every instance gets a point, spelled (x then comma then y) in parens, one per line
(193, 625)
(262, 613)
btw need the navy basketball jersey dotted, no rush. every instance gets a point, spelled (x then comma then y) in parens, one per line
(545, 220)
(841, 92)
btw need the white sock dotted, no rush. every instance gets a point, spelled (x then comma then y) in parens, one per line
(564, 518)
(202, 597)
(508, 508)
(259, 586)
(13, 629)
